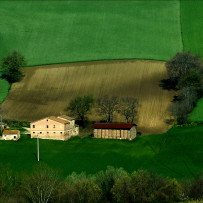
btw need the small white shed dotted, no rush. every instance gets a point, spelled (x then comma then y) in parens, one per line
(10, 135)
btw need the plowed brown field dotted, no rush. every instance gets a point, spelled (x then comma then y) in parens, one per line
(47, 90)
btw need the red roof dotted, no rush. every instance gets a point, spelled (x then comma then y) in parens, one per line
(10, 132)
(113, 125)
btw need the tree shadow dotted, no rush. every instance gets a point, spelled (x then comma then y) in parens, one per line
(169, 121)
(35, 155)
(167, 84)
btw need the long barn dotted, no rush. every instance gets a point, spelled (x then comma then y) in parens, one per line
(115, 130)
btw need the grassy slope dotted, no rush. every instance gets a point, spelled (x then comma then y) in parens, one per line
(197, 113)
(176, 154)
(4, 88)
(62, 31)
(192, 28)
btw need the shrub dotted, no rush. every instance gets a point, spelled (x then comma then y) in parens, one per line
(11, 67)
(182, 64)
(106, 180)
(80, 188)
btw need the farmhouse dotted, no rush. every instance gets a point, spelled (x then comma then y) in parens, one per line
(115, 130)
(10, 135)
(57, 128)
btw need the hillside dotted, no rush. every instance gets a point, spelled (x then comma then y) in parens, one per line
(177, 153)
(47, 90)
(48, 32)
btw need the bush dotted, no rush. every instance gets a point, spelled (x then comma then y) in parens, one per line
(106, 180)
(196, 189)
(79, 188)
(11, 66)
(182, 64)
(185, 103)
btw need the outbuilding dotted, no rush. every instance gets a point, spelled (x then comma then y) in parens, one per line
(10, 135)
(115, 130)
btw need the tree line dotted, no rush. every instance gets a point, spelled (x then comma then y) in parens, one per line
(112, 185)
(106, 106)
(186, 77)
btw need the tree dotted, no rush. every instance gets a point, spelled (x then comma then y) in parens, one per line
(107, 106)
(11, 67)
(181, 64)
(41, 185)
(186, 101)
(81, 106)
(106, 180)
(128, 108)
(191, 79)
(80, 188)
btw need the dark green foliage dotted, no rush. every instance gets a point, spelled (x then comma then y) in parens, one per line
(79, 188)
(11, 67)
(196, 188)
(191, 79)
(185, 72)
(81, 106)
(182, 64)
(106, 180)
(185, 103)
(44, 185)
(143, 186)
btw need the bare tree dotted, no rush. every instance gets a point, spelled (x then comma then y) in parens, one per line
(107, 106)
(128, 108)
(41, 185)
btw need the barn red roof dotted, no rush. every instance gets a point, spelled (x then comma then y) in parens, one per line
(113, 125)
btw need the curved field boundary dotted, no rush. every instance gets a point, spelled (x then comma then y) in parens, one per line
(47, 90)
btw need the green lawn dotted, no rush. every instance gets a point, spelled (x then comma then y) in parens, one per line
(4, 88)
(197, 113)
(192, 28)
(175, 154)
(48, 32)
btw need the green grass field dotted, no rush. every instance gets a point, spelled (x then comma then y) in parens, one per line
(4, 88)
(192, 18)
(197, 113)
(48, 32)
(192, 29)
(176, 153)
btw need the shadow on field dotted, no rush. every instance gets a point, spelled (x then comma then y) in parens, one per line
(167, 85)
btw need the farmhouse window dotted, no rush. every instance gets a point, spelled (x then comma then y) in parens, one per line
(47, 132)
(61, 132)
(40, 132)
(54, 126)
(14, 137)
(33, 126)
(47, 126)
(47, 120)
(33, 132)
